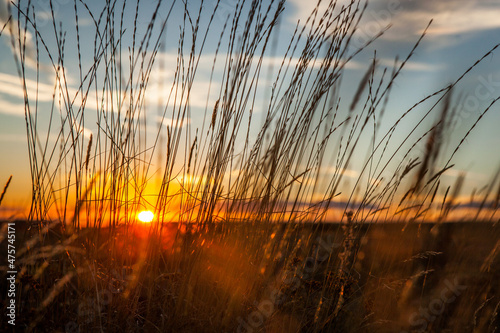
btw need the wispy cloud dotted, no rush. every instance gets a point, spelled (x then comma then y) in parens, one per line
(413, 65)
(462, 20)
(11, 85)
(345, 172)
(25, 36)
(408, 18)
(454, 173)
(12, 93)
(158, 96)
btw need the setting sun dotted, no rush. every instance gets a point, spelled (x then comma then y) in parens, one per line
(146, 216)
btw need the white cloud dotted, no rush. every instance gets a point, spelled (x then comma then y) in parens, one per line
(11, 85)
(413, 65)
(303, 8)
(345, 172)
(455, 173)
(409, 18)
(201, 84)
(26, 37)
(11, 88)
(463, 20)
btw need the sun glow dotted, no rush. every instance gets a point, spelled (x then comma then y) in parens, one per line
(146, 216)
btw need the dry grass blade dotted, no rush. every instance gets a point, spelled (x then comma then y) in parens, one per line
(56, 289)
(5, 189)
(439, 173)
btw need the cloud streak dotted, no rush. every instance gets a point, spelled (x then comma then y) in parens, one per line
(408, 18)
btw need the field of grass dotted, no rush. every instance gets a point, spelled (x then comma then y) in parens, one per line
(265, 278)
(255, 228)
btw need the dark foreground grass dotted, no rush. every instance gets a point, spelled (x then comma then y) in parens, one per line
(427, 277)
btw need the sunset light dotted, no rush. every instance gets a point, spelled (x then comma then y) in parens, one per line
(145, 216)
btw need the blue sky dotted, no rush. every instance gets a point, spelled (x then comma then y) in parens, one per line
(461, 32)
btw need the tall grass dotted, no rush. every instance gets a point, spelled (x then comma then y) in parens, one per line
(249, 197)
